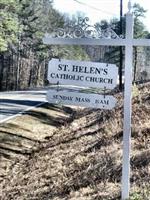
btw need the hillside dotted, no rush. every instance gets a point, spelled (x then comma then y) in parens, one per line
(81, 158)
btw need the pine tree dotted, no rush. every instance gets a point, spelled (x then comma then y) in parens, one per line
(9, 23)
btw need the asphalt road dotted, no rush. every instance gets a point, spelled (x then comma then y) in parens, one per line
(14, 103)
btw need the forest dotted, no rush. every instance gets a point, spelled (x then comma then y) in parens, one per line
(24, 58)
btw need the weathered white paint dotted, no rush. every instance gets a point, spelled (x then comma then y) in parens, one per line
(127, 108)
(81, 99)
(84, 41)
(141, 42)
(89, 41)
(79, 73)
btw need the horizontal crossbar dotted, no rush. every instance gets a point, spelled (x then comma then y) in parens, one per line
(141, 42)
(91, 41)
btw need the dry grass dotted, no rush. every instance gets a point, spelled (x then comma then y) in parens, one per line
(20, 137)
(78, 153)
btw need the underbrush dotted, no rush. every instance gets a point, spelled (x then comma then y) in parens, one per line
(82, 159)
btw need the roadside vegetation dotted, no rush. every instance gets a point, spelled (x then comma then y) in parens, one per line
(74, 153)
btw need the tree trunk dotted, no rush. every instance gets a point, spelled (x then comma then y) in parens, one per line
(135, 64)
(1, 71)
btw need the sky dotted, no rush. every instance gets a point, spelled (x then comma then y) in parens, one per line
(97, 10)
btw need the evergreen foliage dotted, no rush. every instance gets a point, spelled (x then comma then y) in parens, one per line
(8, 23)
(24, 57)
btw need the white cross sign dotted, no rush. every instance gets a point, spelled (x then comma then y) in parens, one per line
(128, 42)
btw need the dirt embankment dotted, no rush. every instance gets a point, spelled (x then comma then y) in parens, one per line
(75, 154)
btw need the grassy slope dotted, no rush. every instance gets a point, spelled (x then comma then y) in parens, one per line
(82, 159)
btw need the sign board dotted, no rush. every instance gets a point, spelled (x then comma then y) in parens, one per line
(79, 73)
(81, 99)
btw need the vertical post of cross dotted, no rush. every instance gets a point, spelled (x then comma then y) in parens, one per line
(127, 105)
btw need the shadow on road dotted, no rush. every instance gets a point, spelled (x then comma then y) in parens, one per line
(10, 107)
(19, 102)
